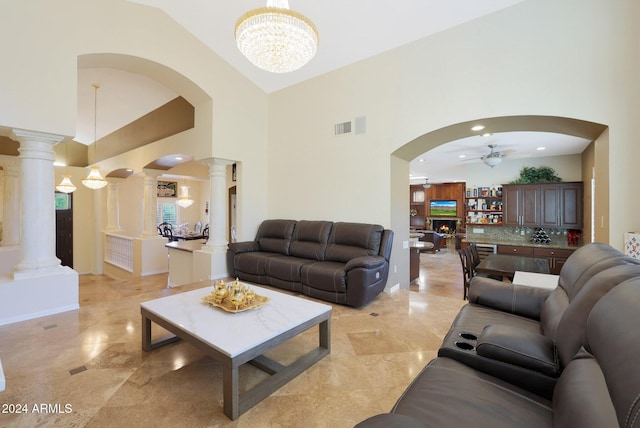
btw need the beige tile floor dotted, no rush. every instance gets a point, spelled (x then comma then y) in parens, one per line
(87, 368)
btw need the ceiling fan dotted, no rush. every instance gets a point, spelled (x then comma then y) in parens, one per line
(493, 158)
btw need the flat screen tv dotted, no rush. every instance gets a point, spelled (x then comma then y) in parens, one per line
(443, 208)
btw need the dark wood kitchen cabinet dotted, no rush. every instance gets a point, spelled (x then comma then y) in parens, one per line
(520, 204)
(572, 199)
(545, 205)
(561, 205)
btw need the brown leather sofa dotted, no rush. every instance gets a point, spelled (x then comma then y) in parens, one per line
(346, 263)
(531, 357)
(527, 335)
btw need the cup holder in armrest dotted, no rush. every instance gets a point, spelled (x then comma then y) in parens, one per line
(468, 336)
(464, 345)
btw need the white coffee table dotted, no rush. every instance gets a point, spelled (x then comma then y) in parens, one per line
(234, 339)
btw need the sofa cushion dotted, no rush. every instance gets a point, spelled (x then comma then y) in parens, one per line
(310, 239)
(388, 420)
(286, 268)
(585, 262)
(612, 338)
(350, 240)
(252, 263)
(327, 276)
(581, 398)
(449, 394)
(274, 236)
(570, 332)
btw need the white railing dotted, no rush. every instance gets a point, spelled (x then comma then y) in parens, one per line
(119, 251)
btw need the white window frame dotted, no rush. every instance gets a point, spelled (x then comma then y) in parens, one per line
(160, 203)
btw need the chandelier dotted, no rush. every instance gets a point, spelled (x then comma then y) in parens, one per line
(275, 38)
(94, 180)
(184, 200)
(66, 186)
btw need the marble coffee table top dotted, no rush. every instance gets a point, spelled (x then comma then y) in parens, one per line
(234, 333)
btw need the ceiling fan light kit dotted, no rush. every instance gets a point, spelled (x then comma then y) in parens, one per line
(492, 159)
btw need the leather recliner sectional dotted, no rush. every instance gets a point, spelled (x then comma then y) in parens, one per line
(346, 263)
(522, 356)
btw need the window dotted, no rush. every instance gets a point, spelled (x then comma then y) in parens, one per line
(166, 212)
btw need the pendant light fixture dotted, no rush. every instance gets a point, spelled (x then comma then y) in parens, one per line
(66, 186)
(184, 200)
(275, 38)
(94, 180)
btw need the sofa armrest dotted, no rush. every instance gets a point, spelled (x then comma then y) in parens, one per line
(521, 348)
(244, 247)
(365, 262)
(516, 299)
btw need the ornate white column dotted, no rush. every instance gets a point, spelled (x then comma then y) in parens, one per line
(37, 228)
(150, 228)
(113, 205)
(210, 262)
(218, 205)
(10, 205)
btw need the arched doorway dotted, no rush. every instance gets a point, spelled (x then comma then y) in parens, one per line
(400, 158)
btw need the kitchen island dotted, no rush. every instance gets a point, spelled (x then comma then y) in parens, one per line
(183, 268)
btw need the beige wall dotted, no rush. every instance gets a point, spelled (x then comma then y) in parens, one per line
(546, 57)
(564, 58)
(569, 168)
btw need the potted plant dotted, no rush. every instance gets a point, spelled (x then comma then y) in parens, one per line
(532, 174)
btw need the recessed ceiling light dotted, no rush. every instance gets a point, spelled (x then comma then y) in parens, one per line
(541, 148)
(129, 170)
(420, 160)
(462, 156)
(178, 158)
(487, 134)
(477, 128)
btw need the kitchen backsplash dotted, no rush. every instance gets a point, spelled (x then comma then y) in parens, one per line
(520, 235)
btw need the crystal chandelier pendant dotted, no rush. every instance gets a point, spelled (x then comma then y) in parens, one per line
(276, 39)
(66, 186)
(94, 180)
(184, 200)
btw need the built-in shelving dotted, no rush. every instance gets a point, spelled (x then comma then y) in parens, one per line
(483, 210)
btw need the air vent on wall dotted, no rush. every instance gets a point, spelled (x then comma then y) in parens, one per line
(342, 128)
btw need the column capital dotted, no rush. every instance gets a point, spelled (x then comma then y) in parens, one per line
(36, 145)
(24, 135)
